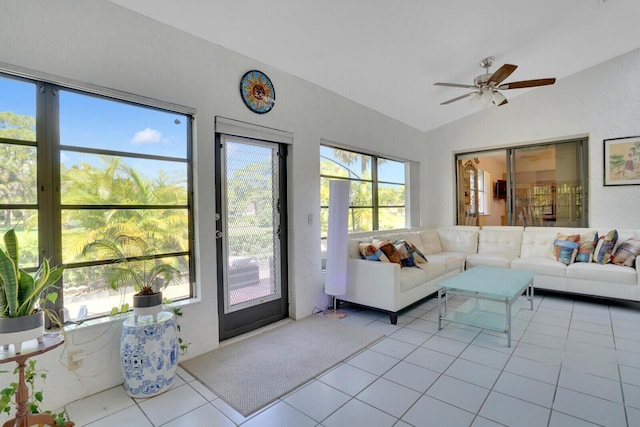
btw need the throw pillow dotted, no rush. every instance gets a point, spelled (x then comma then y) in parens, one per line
(588, 243)
(418, 256)
(627, 252)
(388, 249)
(604, 248)
(405, 253)
(565, 248)
(370, 252)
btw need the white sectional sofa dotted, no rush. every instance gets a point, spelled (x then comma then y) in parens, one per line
(387, 286)
(451, 249)
(531, 249)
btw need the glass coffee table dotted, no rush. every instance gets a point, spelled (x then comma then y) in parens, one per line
(495, 296)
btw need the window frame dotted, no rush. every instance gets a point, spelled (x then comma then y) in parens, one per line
(48, 147)
(375, 185)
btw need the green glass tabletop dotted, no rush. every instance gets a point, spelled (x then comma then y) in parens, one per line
(497, 282)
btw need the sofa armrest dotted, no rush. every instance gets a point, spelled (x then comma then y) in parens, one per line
(372, 283)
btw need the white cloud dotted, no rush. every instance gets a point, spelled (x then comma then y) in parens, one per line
(147, 136)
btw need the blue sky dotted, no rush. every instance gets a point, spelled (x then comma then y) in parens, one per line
(97, 123)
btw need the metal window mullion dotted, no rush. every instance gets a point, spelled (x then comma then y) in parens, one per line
(374, 192)
(127, 154)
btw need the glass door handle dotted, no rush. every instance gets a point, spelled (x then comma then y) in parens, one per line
(218, 234)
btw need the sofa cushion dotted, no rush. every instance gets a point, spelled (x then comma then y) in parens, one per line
(627, 252)
(540, 265)
(416, 276)
(459, 239)
(490, 260)
(412, 238)
(453, 261)
(430, 241)
(565, 247)
(500, 240)
(604, 273)
(604, 248)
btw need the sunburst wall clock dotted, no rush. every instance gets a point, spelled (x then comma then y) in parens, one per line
(257, 91)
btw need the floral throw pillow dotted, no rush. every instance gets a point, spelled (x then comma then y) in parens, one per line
(388, 249)
(406, 257)
(370, 252)
(565, 247)
(627, 253)
(588, 243)
(604, 248)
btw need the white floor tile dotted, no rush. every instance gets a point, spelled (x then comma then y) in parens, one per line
(132, 416)
(633, 415)
(357, 413)
(631, 395)
(206, 414)
(434, 412)
(348, 379)
(203, 390)
(411, 336)
(591, 327)
(458, 333)
(553, 330)
(628, 358)
(496, 341)
(99, 405)
(278, 415)
(558, 419)
(394, 348)
(483, 422)
(542, 340)
(525, 388)
(229, 412)
(591, 338)
(626, 333)
(591, 364)
(389, 397)
(630, 375)
(589, 408)
(513, 412)
(533, 369)
(430, 359)
(545, 355)
(445, 345)
(458, 393)
(317, 400)
(590, 384)
(383, 327)
(485, 356)
(412, 376)
(373, 362)
(628, 345)
(427, 326)
(172, 404)
(474, 373)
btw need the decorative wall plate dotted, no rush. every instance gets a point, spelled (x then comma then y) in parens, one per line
(257, 91)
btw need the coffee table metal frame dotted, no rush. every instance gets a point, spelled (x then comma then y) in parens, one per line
(499, 285)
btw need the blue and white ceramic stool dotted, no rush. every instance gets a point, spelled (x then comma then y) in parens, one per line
(149, 354)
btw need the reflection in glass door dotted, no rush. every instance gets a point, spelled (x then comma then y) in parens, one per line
(250, 232)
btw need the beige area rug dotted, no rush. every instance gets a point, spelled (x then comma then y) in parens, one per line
(252, 373)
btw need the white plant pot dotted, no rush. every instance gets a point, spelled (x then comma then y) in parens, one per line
(17, 330)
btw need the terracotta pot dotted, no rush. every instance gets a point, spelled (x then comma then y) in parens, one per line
(16, 330)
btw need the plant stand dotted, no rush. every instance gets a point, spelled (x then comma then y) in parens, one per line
(149, 354)
(23, 418)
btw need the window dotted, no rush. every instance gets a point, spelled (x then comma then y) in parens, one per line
(484, 190)
(377, 198)
(80, 167)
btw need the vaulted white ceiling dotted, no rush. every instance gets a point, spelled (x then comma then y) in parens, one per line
(386, 54)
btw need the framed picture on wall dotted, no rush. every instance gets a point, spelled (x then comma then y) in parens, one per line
(622, 161)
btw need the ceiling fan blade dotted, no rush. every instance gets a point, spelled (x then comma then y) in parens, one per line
(502, 73)
(454, 85)
(527, 83)
(458, 98)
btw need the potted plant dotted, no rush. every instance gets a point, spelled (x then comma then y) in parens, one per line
(21, 294)
(135, 265)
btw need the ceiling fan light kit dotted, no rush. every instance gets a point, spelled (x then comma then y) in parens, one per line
(487, 85)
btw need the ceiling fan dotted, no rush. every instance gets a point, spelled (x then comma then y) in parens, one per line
(487, 85)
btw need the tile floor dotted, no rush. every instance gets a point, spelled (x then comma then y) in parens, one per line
(572, 363)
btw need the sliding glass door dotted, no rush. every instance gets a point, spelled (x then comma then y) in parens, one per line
(541, 185)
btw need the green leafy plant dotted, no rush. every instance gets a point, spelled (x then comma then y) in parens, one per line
(177, 311)
(20, 292)
(7, 394)
(134, 264)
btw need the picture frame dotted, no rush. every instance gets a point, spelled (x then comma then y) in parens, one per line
(622, 161)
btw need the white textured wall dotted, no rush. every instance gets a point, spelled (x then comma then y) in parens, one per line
(601, 102)
(103, 44)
